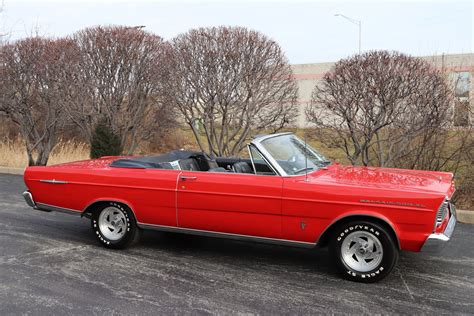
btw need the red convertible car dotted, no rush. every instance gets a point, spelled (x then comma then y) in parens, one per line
(286, 193)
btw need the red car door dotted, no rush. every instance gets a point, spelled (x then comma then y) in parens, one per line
(235, 203)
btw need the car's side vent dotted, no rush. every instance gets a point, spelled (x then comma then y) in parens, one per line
(441, 214)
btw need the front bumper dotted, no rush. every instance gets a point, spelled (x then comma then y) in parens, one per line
(436, 241)
(29, 199)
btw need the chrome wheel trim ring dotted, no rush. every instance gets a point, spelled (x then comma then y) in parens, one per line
(112, 223)
(361, 251)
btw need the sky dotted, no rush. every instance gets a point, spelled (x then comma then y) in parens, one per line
(308, 31)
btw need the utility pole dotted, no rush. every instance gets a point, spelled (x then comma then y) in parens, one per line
(356, 22)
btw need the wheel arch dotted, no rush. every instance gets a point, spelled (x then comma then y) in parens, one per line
(92, 206)
(323, 240)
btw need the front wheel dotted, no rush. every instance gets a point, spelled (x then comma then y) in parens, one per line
(114, 225)
(363, 251)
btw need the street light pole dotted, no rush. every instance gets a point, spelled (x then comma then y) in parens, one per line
(356, 22)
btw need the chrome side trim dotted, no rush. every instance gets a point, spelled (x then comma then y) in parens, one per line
(47, 207)
(29, 199)
(54, 181)
(206, 233)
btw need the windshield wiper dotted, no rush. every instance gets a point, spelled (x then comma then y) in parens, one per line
(326, 162)
(303, 169)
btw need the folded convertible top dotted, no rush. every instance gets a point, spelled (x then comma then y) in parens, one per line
(160, 162)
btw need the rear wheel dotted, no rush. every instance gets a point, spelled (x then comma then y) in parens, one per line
(363, 251)
(114, 225)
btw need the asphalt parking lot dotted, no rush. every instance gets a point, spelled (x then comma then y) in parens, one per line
(50, 263)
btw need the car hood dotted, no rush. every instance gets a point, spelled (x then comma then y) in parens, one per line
(403, 179)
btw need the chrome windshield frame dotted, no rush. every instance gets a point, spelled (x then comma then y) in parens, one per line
(270, 164)
(251, 158)
(257, 142)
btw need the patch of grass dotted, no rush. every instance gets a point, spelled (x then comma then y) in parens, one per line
(13, 152)
(69, 150)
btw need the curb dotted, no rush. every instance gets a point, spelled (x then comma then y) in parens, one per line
(8, 170)
(463, 216)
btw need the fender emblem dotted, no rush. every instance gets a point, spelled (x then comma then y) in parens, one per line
(393, 203)
(303, 225)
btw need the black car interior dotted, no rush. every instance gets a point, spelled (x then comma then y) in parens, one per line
(194, 161)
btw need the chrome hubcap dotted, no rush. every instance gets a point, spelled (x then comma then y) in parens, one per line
(112, 223)
(362, 251)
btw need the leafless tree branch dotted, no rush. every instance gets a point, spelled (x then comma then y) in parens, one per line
(229, 82)
(34, 78)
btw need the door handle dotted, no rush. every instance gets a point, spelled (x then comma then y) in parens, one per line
(187, 178)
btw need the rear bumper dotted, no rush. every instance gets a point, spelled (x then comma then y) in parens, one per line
(29, 199)
(436, 242)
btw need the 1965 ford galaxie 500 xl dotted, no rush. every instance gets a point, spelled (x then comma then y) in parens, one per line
(285, 193)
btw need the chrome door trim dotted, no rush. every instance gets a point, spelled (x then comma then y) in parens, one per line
(206, 233)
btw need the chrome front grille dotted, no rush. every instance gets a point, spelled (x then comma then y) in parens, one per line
(442, 211)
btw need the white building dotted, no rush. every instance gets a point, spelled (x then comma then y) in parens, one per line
(459, 66)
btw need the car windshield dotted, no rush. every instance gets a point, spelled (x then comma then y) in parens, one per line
(289, 152)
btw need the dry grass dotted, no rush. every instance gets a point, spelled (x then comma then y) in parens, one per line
(70, 150)
(13, 153)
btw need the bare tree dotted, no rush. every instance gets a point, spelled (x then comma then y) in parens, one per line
(34, 75)
(381, 107)
(119, 80)
(227, 82)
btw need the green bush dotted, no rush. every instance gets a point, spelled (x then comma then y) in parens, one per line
(104, 142)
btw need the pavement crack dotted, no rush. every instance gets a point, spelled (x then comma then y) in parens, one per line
(406, 285)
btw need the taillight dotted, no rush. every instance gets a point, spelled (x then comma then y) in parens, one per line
(441, 213)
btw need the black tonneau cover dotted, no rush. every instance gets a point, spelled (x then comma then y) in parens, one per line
(160, 162)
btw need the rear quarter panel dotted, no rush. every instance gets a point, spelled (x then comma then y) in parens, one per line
(151, 193)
